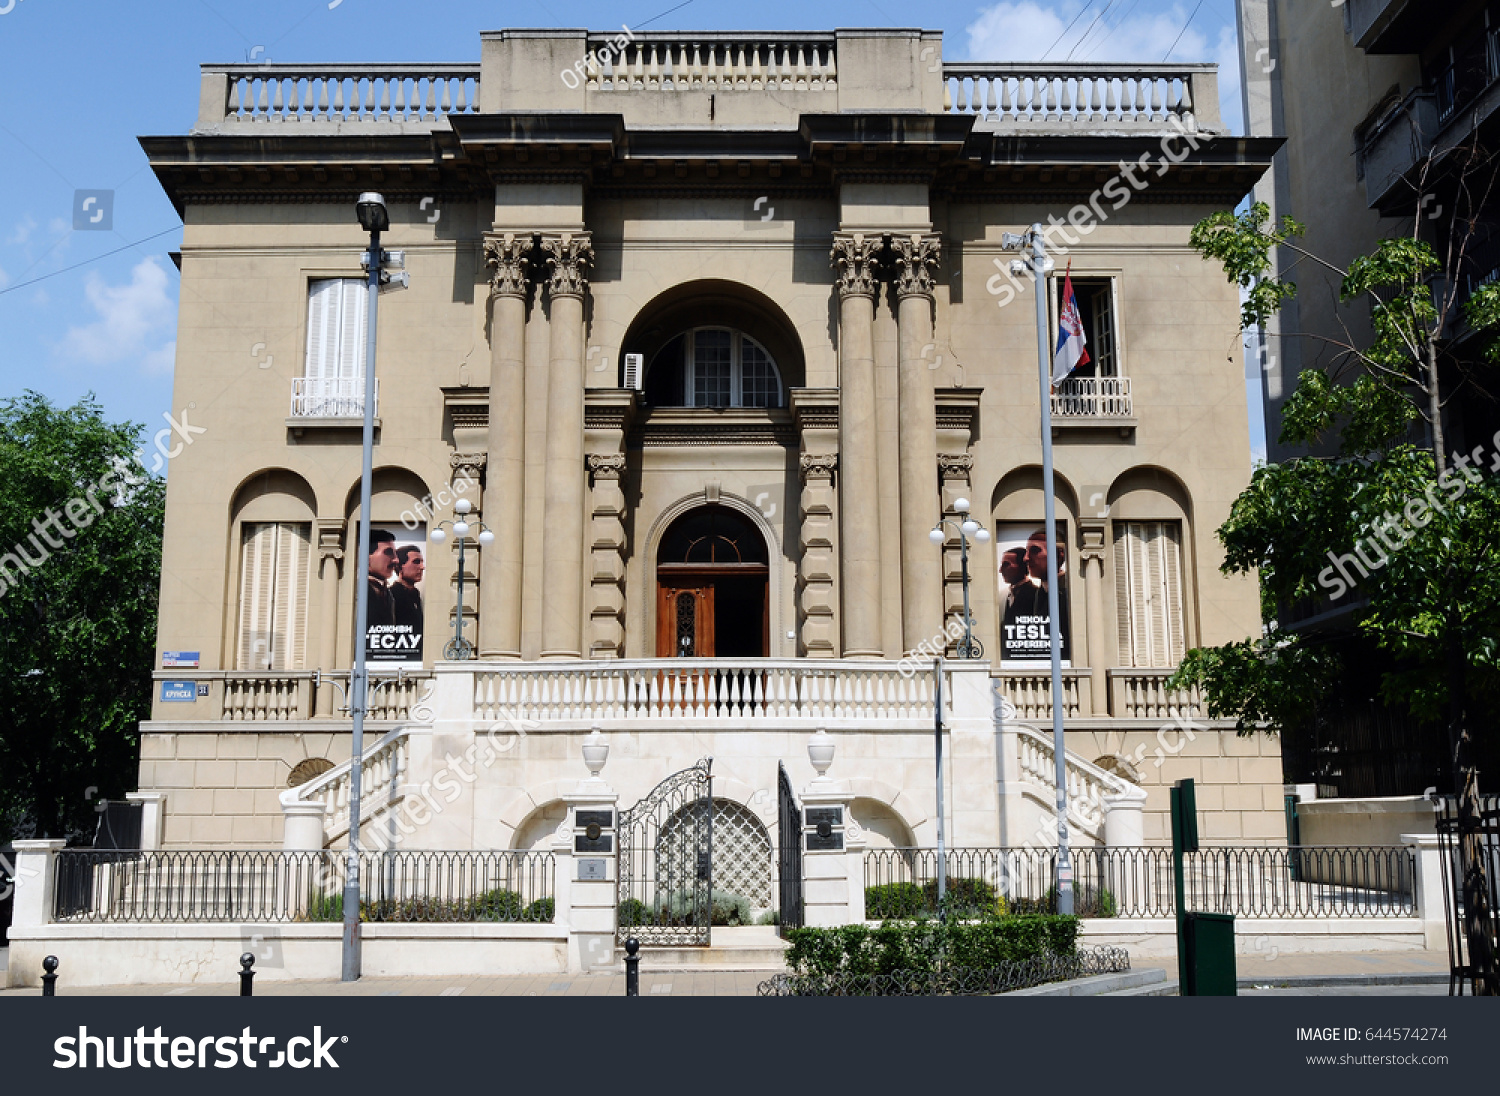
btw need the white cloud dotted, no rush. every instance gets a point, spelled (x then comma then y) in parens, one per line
(1024, 30)
(135, 321)
(22, 232)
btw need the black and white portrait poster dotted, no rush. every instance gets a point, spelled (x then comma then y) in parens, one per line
(398, 560)
(1025, 571)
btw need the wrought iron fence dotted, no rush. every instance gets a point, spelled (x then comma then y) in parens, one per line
(1483, 840)
(1373, 881)
(951, 981)
(261, 887)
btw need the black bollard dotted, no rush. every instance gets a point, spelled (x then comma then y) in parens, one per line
(247, 975)
(632, 968)
(49, 979)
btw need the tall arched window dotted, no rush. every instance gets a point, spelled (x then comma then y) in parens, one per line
(713, 367)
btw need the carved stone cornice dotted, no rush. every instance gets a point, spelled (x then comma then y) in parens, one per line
(854, 258)
(915, 262)
(818, 465)
(508, 257)
(606, 465)
(568, 256)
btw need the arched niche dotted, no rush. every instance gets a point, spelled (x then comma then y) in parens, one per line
(717, 303)
(269, 573)
(884, 828)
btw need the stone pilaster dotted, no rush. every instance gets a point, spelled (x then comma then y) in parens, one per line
(568, 256)
(915, 263)
(607, 545)
(330, 560)
(816, 566)
(953, 478)
(854, 257)
(506, 255)
(1091, 554)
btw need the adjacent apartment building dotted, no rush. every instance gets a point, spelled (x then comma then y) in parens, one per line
(1383, 105)
(709, 331)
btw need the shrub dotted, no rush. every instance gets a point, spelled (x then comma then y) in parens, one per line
(888, 901)
(633, 912)
(497, 905)
(1088, 901)
(543, 909)
(731, 909)
(929, 946)
(965, 897)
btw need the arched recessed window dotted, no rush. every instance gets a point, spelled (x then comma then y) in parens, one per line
(713, 367)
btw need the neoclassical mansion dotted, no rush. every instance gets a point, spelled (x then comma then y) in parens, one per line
(710, 330)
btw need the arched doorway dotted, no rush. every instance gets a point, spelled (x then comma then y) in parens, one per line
(711, 574)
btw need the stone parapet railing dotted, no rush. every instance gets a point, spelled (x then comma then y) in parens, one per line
(714, 62)
(1143, 694)
(276, 94)
(1100, 97)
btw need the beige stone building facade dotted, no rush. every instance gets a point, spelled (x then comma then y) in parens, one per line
(711, 330)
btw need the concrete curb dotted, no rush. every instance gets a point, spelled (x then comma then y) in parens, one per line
(1309, 981)
(1097, 985)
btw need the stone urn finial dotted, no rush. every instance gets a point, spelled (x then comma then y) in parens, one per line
(595, 753)
(820, 752)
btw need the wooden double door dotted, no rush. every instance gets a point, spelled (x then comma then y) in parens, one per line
(712, 612)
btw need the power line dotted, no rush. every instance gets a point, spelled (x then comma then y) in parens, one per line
(1084, 37)
(86, 262)
(1182, 31)
(1069, 27)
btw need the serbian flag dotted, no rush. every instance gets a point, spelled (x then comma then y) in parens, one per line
(1072, 349)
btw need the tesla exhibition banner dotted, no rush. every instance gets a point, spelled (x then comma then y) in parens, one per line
(393, 636)
(1025, 623)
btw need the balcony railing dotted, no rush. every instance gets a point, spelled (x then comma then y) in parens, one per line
(1095, 96)
(331, 397)
(749, 691)
(341, 93)
(1092, 397)
(726, 62)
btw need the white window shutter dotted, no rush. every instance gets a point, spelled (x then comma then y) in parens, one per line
(354, 306)
(275, 571)
(323, 300)
(256, 550)
(1148, 593)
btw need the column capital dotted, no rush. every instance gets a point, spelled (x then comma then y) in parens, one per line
(330, 538)
(915, 261)
(468, 464)
(854, 256)
(818, 466)
(568, 256)
(606, 465)
(955, 465)
(1092, 541)
(507, 256)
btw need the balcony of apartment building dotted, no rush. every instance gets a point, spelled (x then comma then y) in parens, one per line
(1456, 102)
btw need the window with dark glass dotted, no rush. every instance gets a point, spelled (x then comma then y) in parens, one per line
(713, 367)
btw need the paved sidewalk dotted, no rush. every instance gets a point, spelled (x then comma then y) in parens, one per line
(695, 983)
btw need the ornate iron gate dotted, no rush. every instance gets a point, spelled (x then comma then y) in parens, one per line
(789, 839)
(664, 893)
(1483, 837)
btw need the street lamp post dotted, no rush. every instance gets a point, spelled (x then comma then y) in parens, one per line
(1034, 241)
(967, 527)
(374, 219)
(971, 648)
(458, 647)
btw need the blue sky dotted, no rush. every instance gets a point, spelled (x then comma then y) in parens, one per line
(95, 309)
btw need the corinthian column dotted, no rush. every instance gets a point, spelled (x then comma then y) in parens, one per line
(916, 259)
(568, 256)
(859, 494)
(505, 489)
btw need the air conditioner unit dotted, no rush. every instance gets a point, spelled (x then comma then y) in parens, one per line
(635, 370)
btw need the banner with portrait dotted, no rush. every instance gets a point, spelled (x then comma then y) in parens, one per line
(1025, 619)
(393, 575)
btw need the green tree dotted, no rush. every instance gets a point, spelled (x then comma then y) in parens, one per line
(1424, 527)
(80, 567)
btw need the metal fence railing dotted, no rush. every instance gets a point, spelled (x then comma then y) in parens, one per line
(277, 886)
(1370, 881)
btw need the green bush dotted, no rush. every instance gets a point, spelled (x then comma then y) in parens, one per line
(731, 909)
(633, 912)
(543, 909)
(497, 905)
(928, 946)
(1088, 901)
(888, 901)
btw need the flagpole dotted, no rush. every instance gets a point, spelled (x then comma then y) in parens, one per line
(1059, 742)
